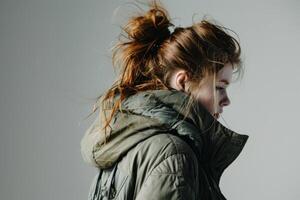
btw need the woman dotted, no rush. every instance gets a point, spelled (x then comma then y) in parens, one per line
(157, 134)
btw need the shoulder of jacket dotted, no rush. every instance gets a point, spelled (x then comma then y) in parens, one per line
(168, 144)
(149, 153)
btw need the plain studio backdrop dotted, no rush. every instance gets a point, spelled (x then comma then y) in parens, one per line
(55, 60)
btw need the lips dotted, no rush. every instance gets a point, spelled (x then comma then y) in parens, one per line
(217, 115)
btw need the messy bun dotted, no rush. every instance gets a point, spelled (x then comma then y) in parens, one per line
(148, 53)
(136, 53)
(149, 29)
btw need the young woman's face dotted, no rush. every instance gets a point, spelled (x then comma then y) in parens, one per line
(205, 92)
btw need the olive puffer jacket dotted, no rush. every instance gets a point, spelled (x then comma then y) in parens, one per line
(153, 152)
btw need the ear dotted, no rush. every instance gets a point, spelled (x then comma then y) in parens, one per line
(179, 80)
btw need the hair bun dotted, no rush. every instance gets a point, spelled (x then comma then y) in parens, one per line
(151, 27)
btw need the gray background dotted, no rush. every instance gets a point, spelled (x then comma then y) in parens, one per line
(55, 59)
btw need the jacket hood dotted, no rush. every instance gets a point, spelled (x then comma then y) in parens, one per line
(161, 111)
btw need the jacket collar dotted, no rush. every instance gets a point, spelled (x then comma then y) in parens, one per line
(215, 145)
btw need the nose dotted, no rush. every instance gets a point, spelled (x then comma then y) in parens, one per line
(225, 101)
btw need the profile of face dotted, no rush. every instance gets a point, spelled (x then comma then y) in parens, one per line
(211, 92)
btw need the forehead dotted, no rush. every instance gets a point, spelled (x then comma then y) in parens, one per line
(225, 74)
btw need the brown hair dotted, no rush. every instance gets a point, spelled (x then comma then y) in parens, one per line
(148, 53)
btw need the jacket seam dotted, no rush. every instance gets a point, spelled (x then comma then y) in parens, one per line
(94, 158)
(121, 187)
(172, 141)
(177, 152)
(150, 173)
(146, 179)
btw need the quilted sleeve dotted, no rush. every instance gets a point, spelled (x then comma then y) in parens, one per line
(174, 178)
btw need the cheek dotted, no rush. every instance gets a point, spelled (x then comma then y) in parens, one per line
(205, 96)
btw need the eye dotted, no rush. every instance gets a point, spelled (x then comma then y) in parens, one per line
(220, 88)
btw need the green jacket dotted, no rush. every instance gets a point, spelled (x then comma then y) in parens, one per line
(153, 152)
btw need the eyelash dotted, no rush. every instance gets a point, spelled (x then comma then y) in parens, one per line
(220, 88)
